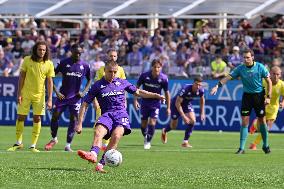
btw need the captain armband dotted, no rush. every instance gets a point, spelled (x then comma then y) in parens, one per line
(220, 84)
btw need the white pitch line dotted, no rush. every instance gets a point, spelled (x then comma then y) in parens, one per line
(142, 150)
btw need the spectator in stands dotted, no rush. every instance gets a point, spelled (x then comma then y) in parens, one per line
(156, 54)
(122, 56)
(235, 59)
(219, 68)
(135, 58)
(18, 37)
(96, 64)
(270, 43)
(3, 40)
(258, 49)
(18, 53)
(63, 49)
(6, 64)
(245, 25)
(145, 46)
(55, 38)
(27, 44)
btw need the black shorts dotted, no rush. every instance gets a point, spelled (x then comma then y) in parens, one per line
(253, 101)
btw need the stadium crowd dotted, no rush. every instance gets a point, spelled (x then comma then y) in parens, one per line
(184, 51)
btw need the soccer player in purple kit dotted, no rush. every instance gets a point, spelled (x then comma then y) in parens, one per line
(153, 81)
(181, 106)
(114, 121)
(69, 96)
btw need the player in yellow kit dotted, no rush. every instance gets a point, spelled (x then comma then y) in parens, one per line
(35, 70)
(112, 55)
(271, 110)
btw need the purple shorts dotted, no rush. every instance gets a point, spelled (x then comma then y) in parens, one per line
(111, 120)
(146, 112)
(73, 105)
(174, 112)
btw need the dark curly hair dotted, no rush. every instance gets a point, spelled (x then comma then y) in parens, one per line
(34, 55)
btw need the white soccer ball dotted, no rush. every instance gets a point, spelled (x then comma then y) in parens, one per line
(113, 158)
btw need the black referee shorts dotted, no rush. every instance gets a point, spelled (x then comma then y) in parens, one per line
(253, 101)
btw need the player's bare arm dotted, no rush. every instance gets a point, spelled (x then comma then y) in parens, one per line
(223, 81)
(269, 90)
(202, 111)
(146, 94)
(49, 92)
(87, 86)
(57, 92)
(168, 102)
(135, 100)
(180, 110)
(82, 111)
(20, 86)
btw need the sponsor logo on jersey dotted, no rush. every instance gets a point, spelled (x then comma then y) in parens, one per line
(76, 74)
(152, 85)
(113, 93)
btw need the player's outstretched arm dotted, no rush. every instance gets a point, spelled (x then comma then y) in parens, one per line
(135, 101)
(82, 111)
(269, 90)
(202, 111)
(49, 92)
(222, 82)
(168, 102)
(146, 94)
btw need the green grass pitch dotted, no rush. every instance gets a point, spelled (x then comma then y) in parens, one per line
(211, 163)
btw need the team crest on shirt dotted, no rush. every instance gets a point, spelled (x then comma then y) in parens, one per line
(81, 67)
(160, 80)
(148, 78)
(68, 66)
(117, 83)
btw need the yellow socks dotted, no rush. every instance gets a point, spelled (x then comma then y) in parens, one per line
(258, 139)
(36, 131)
(19, 131)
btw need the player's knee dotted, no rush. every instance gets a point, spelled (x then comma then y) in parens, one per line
(116, 136)
(152, 122)
(192, 121)
(21, 118)
(173, 125)
(55, 117)
(36, 119)
(72, 118)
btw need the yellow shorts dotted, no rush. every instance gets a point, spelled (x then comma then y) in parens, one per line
(271, 112)
(38, 106)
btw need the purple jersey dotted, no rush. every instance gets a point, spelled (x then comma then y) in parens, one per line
(154, 85)
(111, 96)
(72, 76)
(188, 95)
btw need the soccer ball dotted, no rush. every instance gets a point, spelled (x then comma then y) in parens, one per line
(113, 158)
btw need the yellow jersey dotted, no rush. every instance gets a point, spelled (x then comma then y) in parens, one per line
(101, 72)
(36, 73)
(271, 110)
(277, 91)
